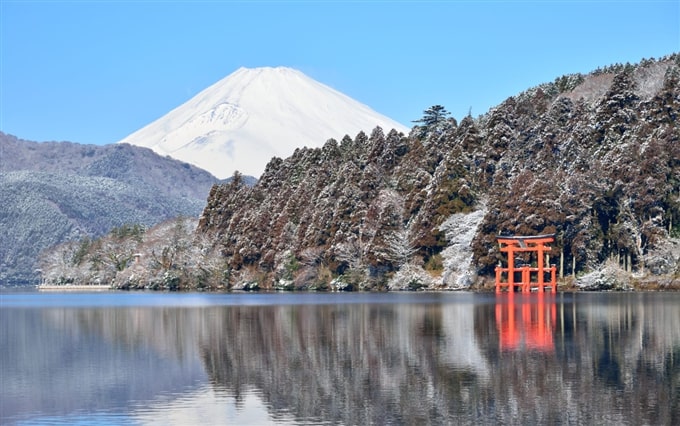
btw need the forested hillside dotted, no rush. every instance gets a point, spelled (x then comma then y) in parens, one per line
(593, 159)
(54, 192)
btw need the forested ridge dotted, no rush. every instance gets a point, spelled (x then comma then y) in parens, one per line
(52, 192)
(593, 159)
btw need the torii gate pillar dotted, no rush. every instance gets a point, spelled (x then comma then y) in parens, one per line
(505, 277)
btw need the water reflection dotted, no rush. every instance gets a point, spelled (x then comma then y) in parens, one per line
(351, 364)
(526, 323)
(460, 358)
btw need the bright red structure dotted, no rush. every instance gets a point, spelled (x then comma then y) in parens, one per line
(523, 275)
(530, 322)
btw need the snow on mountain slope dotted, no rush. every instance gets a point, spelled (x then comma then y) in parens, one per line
(252, 115)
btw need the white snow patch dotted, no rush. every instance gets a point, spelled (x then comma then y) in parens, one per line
(649, 79)
(460, 229)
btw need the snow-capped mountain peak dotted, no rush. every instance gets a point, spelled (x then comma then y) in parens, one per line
(252, 115)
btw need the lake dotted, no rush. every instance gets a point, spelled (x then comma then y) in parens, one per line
(138, 358)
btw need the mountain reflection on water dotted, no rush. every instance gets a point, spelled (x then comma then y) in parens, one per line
(376, 359)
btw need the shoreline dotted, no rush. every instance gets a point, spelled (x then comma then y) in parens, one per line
(74, 287)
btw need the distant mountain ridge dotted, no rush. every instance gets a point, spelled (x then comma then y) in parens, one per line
(252, 115)
(53, 192)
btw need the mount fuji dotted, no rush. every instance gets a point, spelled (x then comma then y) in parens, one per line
(252, 115)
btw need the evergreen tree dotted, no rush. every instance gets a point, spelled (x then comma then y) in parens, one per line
(433, 115)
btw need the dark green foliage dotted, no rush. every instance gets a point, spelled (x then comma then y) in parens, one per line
(82, 251)
(568, 82)
(136, 231)
(291, 267)
(433, 115)
(435, 263)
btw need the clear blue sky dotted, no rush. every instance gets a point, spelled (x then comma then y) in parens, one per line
(95, 71)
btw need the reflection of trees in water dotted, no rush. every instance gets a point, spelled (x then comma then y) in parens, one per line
(612, 363)
(359, 364)
(167, 331)
(350, 364)
(629, 348)
(61, 360)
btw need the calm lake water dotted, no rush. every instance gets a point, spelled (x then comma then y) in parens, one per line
(345, 359)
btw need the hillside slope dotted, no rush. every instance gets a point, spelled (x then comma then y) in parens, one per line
(53, 192)
(594, 159)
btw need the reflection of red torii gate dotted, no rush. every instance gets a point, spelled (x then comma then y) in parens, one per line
(515, 244)
(531, 322)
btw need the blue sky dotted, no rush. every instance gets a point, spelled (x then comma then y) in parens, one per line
(96, 71)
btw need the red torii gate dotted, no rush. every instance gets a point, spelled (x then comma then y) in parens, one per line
(534, 243)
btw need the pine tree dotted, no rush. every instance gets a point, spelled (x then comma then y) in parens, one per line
(433, 115)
